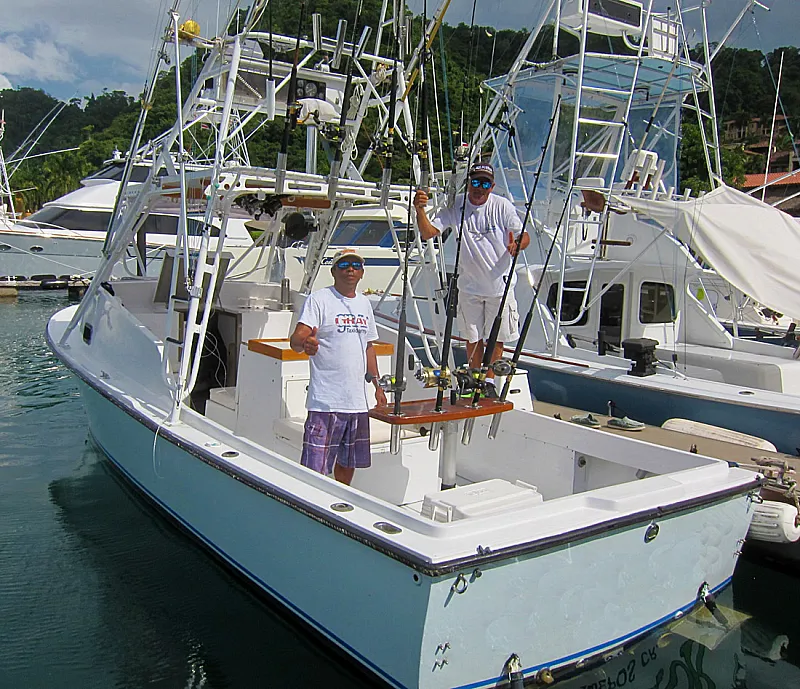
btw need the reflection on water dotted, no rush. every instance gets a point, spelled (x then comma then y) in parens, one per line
(98, 590)
(188, 617)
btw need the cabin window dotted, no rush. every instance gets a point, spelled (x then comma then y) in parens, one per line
(367, 232)
(657, 303)
(71, 219)
(571, 302)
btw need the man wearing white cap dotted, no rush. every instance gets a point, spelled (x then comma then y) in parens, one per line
(491, 231)
(336, 328)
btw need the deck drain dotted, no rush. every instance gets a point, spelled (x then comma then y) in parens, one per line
(386, 527)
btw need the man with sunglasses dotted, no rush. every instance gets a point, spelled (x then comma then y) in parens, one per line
(336, 329)
(491, 231)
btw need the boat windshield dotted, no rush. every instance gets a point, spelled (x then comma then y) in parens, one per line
(114, 171)
(97, 221)
(367, 232)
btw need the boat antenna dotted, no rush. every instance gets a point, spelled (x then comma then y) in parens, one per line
(526, 325)
(421, 150)
(292, 108)
(336, 165)
(498, 319)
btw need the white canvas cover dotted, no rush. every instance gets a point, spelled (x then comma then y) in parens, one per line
(749, 243)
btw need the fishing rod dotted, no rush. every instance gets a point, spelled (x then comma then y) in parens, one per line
(526, 325)
(292, 109)
(488, 352)
(441, 378)
(421, 146)
(333, 178)
(388, 144)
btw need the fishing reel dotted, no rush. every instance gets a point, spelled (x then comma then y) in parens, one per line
(387, 382)
(473, 380)
(259, 204)
(431, 377)
(297, 226)
(383, 147)
(331, 132)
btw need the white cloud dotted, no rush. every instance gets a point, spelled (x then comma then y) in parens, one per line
(35, 59)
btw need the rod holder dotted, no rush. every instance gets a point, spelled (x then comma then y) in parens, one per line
(394, 440)
(286, 295)
(433, 437)
(466, 432)
(494, 426)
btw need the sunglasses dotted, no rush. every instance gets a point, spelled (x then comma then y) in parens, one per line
(355, 265)
(486, 184)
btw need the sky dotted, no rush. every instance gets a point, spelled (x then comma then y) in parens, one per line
(75, 48)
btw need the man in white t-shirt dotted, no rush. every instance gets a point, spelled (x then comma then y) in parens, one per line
(490, 239)
(336, 328)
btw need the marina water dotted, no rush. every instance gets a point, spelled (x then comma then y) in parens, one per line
(97, 589)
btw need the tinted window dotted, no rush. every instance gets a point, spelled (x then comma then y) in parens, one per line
(346, 231)
(571, 302)
(373, 232)
(656, 303)
(116, 170)
(71, 219)
(168, 224)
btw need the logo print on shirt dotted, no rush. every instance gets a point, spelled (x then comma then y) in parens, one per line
(351, 323)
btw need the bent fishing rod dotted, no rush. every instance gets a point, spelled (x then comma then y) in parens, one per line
(498, 319)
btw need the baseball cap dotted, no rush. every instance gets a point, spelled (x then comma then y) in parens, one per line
(342, 253)
(482, 170)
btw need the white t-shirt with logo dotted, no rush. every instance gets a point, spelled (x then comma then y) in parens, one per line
(345, 326)
(485, 260)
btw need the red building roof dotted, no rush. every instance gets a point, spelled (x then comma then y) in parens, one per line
(757, 179)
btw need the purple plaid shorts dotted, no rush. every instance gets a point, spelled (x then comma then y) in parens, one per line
(332, 437)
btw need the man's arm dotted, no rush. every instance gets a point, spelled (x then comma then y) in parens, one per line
(304, 339)
(427, 230)
(372, 370)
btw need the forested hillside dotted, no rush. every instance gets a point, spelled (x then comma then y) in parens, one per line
(98, 124)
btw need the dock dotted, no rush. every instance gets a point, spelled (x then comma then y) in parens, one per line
(75, 287)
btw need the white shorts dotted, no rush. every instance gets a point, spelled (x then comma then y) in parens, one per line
(476, 316)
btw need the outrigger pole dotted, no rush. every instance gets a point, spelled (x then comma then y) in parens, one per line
(487, 362)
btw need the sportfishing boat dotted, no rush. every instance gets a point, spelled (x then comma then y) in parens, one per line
(470, 552)
(67, 236)
(617, 267)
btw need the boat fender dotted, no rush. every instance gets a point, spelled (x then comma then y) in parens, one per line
(774, 522)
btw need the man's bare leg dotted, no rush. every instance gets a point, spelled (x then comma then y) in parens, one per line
(343, 474)
(475, 354)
